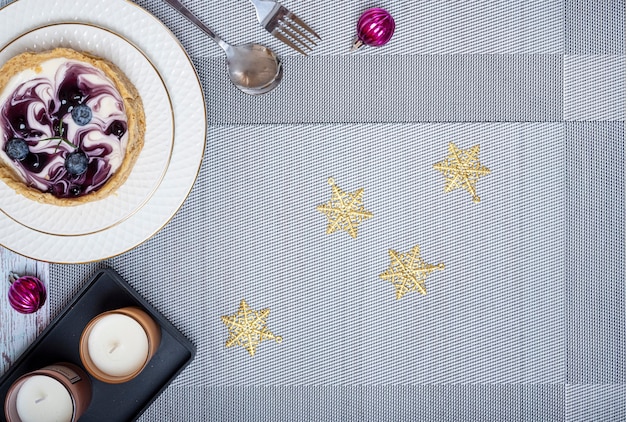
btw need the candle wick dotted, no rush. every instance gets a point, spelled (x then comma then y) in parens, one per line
(114, 347)
(40, 399)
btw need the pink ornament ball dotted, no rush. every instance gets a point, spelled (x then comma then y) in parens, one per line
(27, 294)
(374, 28)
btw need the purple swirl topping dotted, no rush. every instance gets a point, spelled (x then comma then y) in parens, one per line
(38, 110)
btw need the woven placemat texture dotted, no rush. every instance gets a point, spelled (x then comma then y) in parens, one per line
(526, 322)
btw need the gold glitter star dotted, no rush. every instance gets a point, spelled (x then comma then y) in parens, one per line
(247, 328)
(408, 272)
(344, 210)
(462, 169)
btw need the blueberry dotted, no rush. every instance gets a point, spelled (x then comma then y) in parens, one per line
(81, 114)
(70, 95)
(16, 149)
(19, 125)
(76, 163)
(117, 128)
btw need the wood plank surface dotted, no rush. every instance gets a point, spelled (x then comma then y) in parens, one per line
(17, 331)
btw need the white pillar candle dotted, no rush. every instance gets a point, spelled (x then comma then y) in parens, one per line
(118, 345)
(44, 399)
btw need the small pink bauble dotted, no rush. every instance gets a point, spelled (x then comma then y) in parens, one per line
(375, 28)
(27, 294)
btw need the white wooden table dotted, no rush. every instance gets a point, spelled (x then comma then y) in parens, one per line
(17, 331)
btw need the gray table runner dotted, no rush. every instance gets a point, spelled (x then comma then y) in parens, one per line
(526, 322)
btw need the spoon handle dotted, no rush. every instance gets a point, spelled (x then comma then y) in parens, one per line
(193, 19)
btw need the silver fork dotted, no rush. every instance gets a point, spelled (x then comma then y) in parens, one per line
(284, 25)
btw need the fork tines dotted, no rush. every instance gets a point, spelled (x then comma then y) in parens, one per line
(291, 30)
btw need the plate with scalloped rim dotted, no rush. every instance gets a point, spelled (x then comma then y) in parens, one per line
(148, 35)
(153, 161)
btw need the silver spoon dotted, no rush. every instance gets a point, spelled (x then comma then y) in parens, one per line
(252, 68)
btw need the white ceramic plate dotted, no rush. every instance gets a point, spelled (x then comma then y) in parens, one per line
(150, 36)
(155, 156)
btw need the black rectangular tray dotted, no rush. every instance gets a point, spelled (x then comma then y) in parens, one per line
(59, 343)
